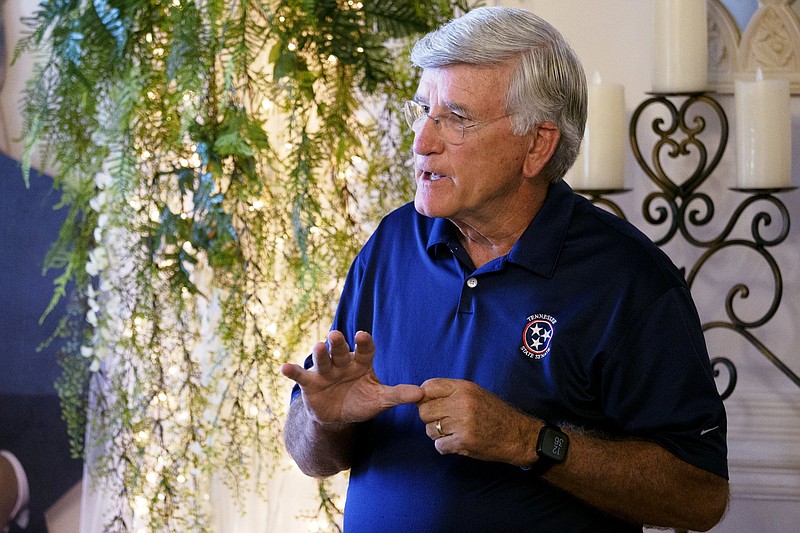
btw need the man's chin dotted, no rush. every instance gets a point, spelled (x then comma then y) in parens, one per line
(425, 209)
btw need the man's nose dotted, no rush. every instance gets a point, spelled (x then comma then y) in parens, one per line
(426, 137)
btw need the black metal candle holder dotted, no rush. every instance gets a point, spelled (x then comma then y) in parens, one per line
(681, 209)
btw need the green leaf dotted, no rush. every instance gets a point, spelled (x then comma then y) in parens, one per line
(232, 143)
(274, 53)
(286, 64)
(111, 21)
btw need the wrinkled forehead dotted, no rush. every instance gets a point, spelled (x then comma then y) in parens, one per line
(479, 90)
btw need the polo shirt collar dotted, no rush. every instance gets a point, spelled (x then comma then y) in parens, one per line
(540, 244)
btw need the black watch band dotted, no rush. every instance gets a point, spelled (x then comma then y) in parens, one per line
(551, 447)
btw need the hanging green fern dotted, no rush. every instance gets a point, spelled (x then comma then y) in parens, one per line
(221, 162)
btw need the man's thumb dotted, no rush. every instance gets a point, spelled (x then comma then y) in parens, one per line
(400, 394)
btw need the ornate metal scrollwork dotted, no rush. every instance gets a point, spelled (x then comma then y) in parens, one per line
(679, 197)
(681, 209)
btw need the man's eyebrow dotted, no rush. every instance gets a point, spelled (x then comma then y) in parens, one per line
(459, 109)
(452, 106)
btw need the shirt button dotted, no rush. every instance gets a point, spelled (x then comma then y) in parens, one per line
(472, 283)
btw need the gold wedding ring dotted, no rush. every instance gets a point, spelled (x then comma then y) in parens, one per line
(439, 428)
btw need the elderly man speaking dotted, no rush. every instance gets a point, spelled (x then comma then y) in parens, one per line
(506, 356)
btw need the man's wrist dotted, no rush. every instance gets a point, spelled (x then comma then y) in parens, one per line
(331, 427)
(318, 425)
(528, 456)
(328, 427)
(551, 449)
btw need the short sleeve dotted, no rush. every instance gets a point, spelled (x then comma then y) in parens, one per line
(658, 384)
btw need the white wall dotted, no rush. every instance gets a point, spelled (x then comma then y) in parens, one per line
(15, 76)
(613, 38)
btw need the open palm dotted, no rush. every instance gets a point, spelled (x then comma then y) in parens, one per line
(341, 387)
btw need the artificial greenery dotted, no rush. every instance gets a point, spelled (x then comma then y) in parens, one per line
(221, 162)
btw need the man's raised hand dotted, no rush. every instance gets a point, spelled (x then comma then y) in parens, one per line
(341, 387)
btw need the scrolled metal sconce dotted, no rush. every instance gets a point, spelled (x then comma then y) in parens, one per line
(681, 209)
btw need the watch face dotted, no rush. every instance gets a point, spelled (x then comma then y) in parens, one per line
(553, 444)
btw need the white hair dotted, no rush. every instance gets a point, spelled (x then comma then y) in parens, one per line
(548, 83)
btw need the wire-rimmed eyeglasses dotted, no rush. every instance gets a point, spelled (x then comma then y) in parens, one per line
(451, 127)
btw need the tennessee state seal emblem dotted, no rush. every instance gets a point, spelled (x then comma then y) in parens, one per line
(537, 336)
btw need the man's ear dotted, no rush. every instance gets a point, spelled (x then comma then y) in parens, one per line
(542, 145)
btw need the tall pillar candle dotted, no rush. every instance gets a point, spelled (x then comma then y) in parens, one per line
(680, 62)
(763, 133)
(601, 161)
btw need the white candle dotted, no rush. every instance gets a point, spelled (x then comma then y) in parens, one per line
(763, 133)
(681, 46)
(601, 161)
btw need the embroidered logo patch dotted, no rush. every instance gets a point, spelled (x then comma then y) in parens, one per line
(538, 336)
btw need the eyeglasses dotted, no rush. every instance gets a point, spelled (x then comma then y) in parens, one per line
(451, 127)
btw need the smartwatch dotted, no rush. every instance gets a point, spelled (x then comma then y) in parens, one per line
(551, 447)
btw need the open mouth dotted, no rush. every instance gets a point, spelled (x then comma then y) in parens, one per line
(432, 176)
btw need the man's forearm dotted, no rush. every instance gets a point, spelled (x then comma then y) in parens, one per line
(642, 482)
(319, 452)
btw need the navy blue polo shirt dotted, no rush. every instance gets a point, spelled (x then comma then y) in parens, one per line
(585, 322)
